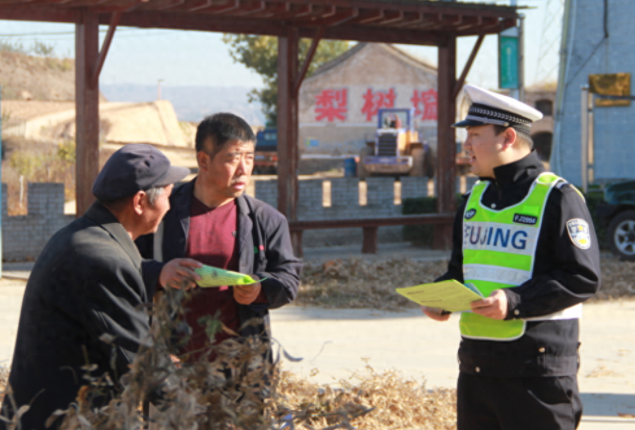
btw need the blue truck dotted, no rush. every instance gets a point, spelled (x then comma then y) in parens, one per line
(266, 153)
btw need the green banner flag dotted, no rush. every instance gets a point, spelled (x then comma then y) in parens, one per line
(508, 62)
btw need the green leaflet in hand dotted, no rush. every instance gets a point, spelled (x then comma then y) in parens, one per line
(214, 277)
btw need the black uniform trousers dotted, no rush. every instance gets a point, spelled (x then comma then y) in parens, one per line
(535, 403)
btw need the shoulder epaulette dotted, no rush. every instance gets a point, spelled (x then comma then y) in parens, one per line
(563, 183)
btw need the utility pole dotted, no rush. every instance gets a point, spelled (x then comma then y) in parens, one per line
(159, 89)
(521, 58)
(511, 58)
(520, 92)
(1, 196)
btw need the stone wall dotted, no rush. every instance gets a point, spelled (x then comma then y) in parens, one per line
(24, 237)
(382, 199)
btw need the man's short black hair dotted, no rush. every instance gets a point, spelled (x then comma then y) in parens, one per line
(520, 135)
(221, 128)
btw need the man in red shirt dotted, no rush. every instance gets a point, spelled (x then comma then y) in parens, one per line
(212, 221)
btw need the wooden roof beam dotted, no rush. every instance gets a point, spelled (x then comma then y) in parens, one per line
(331, 19)
(198, 22)
(445, 8)
(468, 65)
(392, 17)
(172, 4)
(452, 20)
(377, 34)
(304, 10)
(416, 18)
(279, 10)
(254, 7)
(209, 7)
(114, 21)
(307, 62)
(43, 14)
(430, 20)
(368, 16)
(470, 22)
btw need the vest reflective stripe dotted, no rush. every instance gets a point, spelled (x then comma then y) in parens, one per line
(499, 250)
(501, 275)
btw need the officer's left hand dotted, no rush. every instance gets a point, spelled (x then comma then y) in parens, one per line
(495, 306)
(246, 294)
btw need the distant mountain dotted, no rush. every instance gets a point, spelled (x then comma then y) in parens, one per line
(191, 103)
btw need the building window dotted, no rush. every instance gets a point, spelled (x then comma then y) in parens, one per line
(545, 106)
(542, 143)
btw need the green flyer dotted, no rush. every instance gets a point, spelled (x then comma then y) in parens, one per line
(214, 277)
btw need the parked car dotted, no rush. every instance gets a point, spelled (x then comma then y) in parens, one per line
(618, 213)
(266, 153)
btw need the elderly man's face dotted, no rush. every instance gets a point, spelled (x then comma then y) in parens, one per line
(153, 214)
(229, 171)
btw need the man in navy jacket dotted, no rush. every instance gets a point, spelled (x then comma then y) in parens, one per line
(213, 221)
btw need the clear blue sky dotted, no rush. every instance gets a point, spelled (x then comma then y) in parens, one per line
(200, 58)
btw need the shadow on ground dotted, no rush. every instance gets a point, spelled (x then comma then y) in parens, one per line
(608, 404)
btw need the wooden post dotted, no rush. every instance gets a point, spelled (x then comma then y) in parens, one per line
(86, 108)
(369, 245)
(446, 141)
(288, 126)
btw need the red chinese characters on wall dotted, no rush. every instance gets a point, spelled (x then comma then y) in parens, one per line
(373, 101)
(331, 105)
(425, 104)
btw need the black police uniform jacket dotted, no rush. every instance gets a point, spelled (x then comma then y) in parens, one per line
(564, 275)
(264, 247)
(87, 282)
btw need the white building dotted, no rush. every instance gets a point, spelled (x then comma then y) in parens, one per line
(339, 102)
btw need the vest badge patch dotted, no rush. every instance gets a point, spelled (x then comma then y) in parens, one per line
(470, 214)
(525, 219)
(579, 233)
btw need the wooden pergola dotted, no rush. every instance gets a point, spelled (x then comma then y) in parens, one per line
(432, 23)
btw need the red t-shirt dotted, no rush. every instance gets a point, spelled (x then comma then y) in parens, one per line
(212, 241)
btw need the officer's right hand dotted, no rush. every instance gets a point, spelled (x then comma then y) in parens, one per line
(435, 313)
(179, 273)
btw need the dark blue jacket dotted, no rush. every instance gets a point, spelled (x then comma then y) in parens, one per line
(264, 245)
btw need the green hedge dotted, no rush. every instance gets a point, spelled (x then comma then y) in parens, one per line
(421, 235)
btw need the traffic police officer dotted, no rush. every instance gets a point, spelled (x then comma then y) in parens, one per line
(524, 237)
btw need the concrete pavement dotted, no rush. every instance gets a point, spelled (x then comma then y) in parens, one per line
(335, 342)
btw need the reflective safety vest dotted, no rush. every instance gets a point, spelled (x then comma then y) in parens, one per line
(499, 251)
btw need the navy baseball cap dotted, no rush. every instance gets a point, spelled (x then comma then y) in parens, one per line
(133, 168)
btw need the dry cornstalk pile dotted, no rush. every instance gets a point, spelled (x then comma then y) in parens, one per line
(357, 283)
(618, 279)
(396, 403)
(238, 389)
